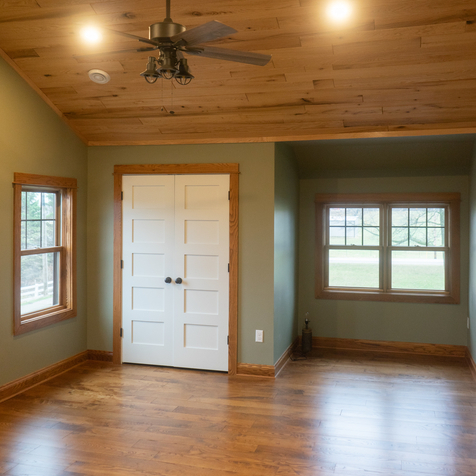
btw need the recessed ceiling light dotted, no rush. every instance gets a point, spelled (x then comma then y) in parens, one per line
(99, 76)
(91, 34)
(339, 10)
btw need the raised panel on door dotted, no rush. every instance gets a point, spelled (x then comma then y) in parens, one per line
(148, 242)
(201, 258)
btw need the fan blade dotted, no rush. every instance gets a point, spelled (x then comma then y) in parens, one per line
(212, 30)
(103, 53)
(134, 37)
(229, 55)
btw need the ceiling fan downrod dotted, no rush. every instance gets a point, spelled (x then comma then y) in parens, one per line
(168, 17)
(163, 30)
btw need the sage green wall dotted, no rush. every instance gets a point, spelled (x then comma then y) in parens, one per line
(472, 262)
(33, 139)
(256, 225)
(405, 322)
(286, 211)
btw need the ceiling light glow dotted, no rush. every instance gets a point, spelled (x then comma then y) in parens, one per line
(339, 11)
(91, 34)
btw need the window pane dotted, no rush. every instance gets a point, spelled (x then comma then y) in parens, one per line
(354, 268)
(33, 205)
(436, 237)
(337, 235)
(417, 236)
(33, 234)
(39, 282)
(399, 236)
(336, 216)
(399, 216)
(353, 217)
(371, 217)
(436, 217)
(353, 235)
(49, 206)
(23, 235)
(371, 236)
(23, 205)
(417, 216)
(420, 270)
(48, 233)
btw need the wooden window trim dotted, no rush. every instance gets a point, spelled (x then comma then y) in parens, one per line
(450, 296)
(222, 168)
(66, 187)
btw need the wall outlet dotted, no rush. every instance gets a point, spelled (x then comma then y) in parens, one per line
(259, 336)
(467, 322)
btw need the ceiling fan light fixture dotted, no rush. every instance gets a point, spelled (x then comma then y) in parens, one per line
(151, 74)
(183, 76)
(167, 62)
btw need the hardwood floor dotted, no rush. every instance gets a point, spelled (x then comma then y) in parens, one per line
(337, 413)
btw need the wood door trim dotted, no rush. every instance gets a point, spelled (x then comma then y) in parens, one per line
(176, 169)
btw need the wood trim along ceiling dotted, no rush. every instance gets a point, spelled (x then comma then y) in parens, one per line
(396, 68)
(40, 93)
(233, 170)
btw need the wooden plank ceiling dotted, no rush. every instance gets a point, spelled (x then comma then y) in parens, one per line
(398, 67)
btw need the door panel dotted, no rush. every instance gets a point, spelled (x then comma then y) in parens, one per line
(176, 226)
(148, 236)
(201, 260)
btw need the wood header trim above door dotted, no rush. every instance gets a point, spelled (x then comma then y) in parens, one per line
(176, 169)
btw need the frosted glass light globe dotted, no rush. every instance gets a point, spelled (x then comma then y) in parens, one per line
(91, 34)
(339, 11)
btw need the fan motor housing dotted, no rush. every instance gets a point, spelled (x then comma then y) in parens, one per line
(164, 30)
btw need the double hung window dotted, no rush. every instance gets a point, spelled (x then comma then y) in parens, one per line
(44, 251)
(388, 247)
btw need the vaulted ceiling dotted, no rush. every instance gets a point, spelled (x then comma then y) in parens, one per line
(398, 67)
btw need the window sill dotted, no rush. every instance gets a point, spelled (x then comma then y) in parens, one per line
(410, 297)
(38, 320)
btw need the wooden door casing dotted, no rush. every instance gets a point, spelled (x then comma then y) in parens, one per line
(176, 169)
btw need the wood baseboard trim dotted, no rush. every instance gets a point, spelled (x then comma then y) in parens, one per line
(255, 370)
(284, 359)
(471, 363)
(441, 350)
(100, 355)
(24, 383)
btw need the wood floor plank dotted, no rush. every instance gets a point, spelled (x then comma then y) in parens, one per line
(338, 413)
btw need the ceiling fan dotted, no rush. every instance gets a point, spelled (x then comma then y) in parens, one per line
(172, 40)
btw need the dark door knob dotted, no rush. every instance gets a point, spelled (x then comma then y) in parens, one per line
(178, 281)
(168, 280)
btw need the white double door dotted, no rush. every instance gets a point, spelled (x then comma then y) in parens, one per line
(175, 270)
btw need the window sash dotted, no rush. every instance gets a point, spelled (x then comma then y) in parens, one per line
(65, 246)
(56, 219)
(386, 202)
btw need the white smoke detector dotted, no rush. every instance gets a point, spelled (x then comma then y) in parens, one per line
(99, 76)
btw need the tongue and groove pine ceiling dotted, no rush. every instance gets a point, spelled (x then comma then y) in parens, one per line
(397, 67)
